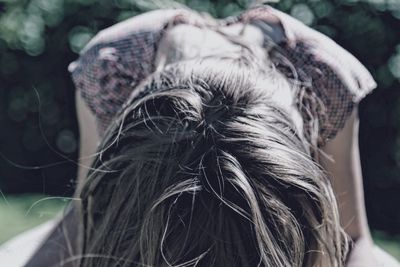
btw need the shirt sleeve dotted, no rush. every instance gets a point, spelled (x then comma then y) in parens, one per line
(117, 59)
(331, 80)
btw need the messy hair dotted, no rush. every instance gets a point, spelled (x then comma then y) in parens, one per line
(205, 169)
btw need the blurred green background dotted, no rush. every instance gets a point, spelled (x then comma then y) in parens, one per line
(39, 139)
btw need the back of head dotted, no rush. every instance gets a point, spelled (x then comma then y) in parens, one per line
(206, 170)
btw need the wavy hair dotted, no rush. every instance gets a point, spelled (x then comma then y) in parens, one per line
(205, 169)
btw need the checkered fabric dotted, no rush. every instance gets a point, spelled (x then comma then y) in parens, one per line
(120, 57)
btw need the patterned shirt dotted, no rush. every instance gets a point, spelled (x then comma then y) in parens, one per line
(120, 57)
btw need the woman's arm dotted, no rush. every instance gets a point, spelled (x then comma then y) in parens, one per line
(344, 168)
(342, 163)
(88, 139)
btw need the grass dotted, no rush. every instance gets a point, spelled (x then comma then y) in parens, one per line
(391, 244)
(20, 213)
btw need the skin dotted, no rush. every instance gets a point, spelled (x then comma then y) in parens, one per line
(89, 138)
(344, 169)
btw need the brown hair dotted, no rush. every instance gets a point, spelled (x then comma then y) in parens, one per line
(204, 169)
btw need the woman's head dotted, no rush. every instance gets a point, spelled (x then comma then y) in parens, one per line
(205, 169)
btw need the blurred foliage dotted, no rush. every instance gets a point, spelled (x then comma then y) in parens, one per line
(39, 38)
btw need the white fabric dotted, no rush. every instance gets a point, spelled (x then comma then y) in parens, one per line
(384, 259)
(17, 251)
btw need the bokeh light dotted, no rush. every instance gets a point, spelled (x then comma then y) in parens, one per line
(303, 13)
(394, 63)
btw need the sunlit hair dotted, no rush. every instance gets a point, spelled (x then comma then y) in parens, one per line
(205, 169)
